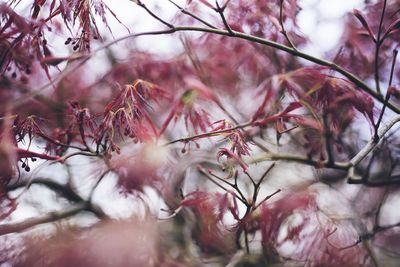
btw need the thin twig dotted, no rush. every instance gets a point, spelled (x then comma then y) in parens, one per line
(377, 48)
(265, 174)
(97, 184)
(283, 30)
(257, 187)
(251, 178)
(328, 136)
(141, 4)
(266, 198)
(387, 97)
(184, 11)
(209, 134)
(58, 143)
(81, 153)
(64, 190)
(220, 11)
(47, 218)
(354, 179)
(295, 158)
(207, 175)
(246, 240)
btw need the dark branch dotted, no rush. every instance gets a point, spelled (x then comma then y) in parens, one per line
(154, 15)
(378, 46)
(63, 190)
(184, 11)
(357, 81)
(47, 218)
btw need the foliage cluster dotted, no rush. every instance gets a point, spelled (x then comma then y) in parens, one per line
(239, 149)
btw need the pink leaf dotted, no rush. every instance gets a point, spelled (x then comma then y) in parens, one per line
(364, 23)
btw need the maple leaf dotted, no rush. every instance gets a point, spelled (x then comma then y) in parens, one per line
(237, 138)
(211, 235)
(231, 156)
(194, 116)
(127, 114)
(145, 167)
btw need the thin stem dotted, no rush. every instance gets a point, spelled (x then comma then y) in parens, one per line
(64, 190)
(220, 11)
(260, 145)
(257, 186)
(209, 134)
(207, 175)
(184, 11)
(82, 153)
(219, 104)
(395, 52)
(265, 174)
(251, 138)
(97, 184)
(234, 186)
(266, 198)
(295, 158)
(283, 30)
(219, 178)
(251, 178)
(354, 179)
(246, 241)
(377, 48)
(47, 218)
(328, 136)
(141, 4)
(387, 97)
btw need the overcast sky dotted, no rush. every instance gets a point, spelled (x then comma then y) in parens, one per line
(318, 20)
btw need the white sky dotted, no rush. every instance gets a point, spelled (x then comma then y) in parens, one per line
(318, 20)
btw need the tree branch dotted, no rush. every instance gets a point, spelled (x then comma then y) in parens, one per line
(47, 218)
(209, 134)
(372, 143)
(63, 190)
(296, 158)
(184, 11)
(355, 179)
(141, 4)
(322, 62)
(387, 97)
(283, 30)
(240, 197)
(220, 11)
